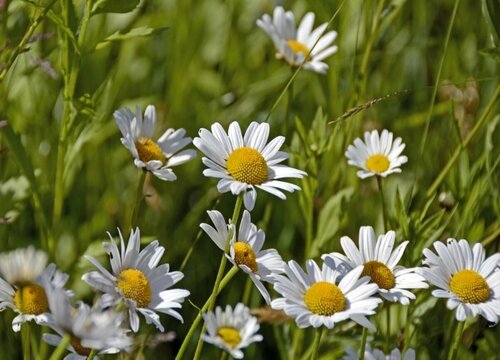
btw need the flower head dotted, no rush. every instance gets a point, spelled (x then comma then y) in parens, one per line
(243, 163)
(246, 249)
(88, 328)
(376, 354)
(28, 281)
(380, 264)
(137, 281)
(294, 45)
(378, 155)
(317, 297)
(231, 330)
(155, 156)
(469, 282)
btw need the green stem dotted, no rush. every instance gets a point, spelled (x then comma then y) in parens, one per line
(26, 329)
(223, 355)
(138, 199)
(197, 319)
(298, 336)
(362, 348)
(388, 322)
(384, 207)
(245, 299)
(92, 354)
(61, 348)
(316, 343)
(406, 337)
(457, 337)
(289, 102)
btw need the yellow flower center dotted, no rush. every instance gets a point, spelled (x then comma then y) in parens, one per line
(248, 166)
(81, 350)
(298, 48)
(230, 336)
(324, 298)
(377, 163)
(149, 150)
(470, 287)
(380, 274)
(135, 286)
(31, 299)
(244, 255)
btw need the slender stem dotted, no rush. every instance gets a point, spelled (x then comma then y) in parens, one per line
(316, 343)
(384, 208)
(92, 354)
(388, 322)
(61, 348)
(230, 274)
(223, 355)
(245, 299)
(298, 336)
(26, 329)
(289, 102)
(406, 337)
(138, 199)
(362, 348)
(457, 337)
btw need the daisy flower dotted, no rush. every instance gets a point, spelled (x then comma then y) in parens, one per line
(243, 163)
(294, 44)
(88, 328)
(318, 297)
(231, 330)
(137, 281)
(24, 289)
(376, 354)
(378, 155)
(380, 264)
(469, 282)
(155, 156)
(246, 249)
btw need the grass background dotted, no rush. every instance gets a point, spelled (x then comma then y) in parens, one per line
(204, 61)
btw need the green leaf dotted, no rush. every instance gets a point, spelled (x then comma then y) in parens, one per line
(114, 6)
(493, 52)
(142, 31)
(491, 11)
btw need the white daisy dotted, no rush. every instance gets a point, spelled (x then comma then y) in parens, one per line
(294, 44)
(469, 282)
(318, 297)
(378, 155)
(231, 330)
(137, 280)
(246, 249)
(245, 162)
(376, 354)
(25, 290)
(88, 328)
(155, 156)
(380, 264)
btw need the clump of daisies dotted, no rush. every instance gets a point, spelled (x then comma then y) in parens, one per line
(156, 156)
(137, 281)
(378, 155)
(25, 282)
(380, 262)
(231, 330)
(245, 249)
(244, 163)
(464, 276)
(299, 45)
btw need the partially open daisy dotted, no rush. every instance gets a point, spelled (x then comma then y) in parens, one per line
(378, 155)
(246, 249)
(89, 328)
(318, 298)
(24, 289)
(137, 281)
(380, 264)
(231, 330)
(294, 44)
(376, 354)
(469, 282)
(243, 163)
(157, 156)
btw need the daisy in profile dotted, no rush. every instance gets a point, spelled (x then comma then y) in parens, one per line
(380, 263)
(137, 281)
(378, 155)
(246, 249)
(294, 45)
(231, 330)
(470, 282)
(89, 329)
(157, 156)
(376, 354)
(244, 163)
(24, 284)
(317, 297)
